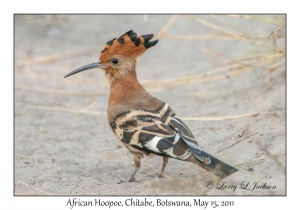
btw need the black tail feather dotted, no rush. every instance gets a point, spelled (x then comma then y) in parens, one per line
(216, 166)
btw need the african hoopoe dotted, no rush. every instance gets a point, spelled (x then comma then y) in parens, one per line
(143, 123)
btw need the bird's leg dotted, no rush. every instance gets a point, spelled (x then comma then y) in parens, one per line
(137, 163)
(165, 161)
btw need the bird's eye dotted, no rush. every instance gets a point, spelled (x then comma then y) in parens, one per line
(115, 61)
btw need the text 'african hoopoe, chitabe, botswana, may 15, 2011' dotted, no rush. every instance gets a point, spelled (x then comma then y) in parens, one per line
(143, 123)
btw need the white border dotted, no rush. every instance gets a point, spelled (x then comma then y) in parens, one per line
(154, 6)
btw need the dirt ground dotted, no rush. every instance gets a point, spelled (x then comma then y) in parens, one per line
(228, 85)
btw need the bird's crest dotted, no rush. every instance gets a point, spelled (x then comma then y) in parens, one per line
(129, 44)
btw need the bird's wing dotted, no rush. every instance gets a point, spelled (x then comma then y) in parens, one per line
(187, 136)
(145, 131)
(157, 131)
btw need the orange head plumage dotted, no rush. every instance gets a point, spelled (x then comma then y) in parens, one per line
(129, 44)
(118, 58)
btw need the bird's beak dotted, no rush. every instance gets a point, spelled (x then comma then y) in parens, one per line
(86, 67)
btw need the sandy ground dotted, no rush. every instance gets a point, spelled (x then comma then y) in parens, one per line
(63, 145)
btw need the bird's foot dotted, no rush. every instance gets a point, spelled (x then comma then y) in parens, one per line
(160, 175)
(132, 179)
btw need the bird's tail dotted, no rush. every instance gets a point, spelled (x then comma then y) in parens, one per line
(213, 165)
(198, 156)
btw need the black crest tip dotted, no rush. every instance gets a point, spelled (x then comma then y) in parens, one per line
(137, 41)
(110, 41)
(147, 37)
(150, 44)
(129, 32)
(121, 40)
(132, 36)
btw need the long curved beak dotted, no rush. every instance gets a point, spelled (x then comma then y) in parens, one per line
(86, 67)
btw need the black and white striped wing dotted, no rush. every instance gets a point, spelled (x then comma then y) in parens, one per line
(161, 140)
(145, 131)
(188, 138)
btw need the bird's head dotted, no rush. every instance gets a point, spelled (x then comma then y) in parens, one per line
(118, 58)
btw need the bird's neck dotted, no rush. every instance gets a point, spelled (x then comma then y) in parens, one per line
(124, 89)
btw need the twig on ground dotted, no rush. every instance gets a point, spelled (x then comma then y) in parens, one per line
(47, 193)
(60, 109)
(271, 156)
(236, 142)
(219, 118)
(245, 131)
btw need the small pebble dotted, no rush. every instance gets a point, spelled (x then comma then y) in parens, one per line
(250, 169)
(120, 182)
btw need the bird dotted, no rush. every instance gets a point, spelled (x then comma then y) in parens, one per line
(145, 124)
